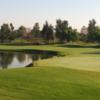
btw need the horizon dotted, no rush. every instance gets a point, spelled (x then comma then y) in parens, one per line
(27, 13)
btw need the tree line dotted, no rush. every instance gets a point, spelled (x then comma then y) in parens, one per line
(61, 33)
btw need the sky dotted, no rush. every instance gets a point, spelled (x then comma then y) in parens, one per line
(28, 12)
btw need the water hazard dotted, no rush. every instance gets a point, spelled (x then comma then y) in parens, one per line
(17, 59)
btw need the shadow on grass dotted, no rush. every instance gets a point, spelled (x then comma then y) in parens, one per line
(96, 52)
(79, 46)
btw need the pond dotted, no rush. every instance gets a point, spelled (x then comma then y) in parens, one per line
(18, 59)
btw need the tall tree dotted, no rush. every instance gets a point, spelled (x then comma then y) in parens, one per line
(48, 32)
(12, 33)
(61, 30)
(4, 33)
(36, 30)
(21, 32)
(12, 27)
(92, 30)
(97, 34)
(72, 35)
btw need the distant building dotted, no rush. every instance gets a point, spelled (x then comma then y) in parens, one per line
(84, 30)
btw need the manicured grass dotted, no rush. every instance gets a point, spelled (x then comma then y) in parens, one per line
(49, 84)
(75, 76)
(80, 63)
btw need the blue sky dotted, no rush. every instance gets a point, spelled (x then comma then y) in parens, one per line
(27, 12)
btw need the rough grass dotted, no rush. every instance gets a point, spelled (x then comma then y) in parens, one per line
(55, 78)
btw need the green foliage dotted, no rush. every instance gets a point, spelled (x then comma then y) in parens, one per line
(47, 32)
(21, 31)
(36, 30)
(61, 30)
(65, 33)
(72, 35)
(83, 37)
(4, 33)
(93, 32)
(61, 33)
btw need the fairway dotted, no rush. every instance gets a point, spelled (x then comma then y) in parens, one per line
(80, 63)
(75, 75)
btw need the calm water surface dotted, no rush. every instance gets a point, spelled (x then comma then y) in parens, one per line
(16, 59)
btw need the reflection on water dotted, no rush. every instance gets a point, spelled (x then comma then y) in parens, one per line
(9, 59)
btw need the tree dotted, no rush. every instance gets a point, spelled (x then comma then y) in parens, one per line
(92, 30)
(21, 32)
(12, 27)
(72, 35)
(47, 32)
(61, 30)
(83, 37)
(51, 33)
(4, 33)
(36, 30)
(97, 34)
(12, 33)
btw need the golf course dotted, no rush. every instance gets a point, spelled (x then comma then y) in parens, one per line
(74, 75)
